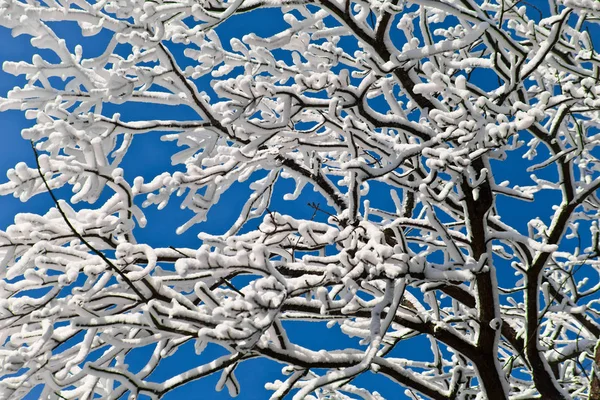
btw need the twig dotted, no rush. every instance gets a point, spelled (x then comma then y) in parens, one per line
(223, 280)
(78, 235)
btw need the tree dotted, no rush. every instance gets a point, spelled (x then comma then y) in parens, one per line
(404, 117)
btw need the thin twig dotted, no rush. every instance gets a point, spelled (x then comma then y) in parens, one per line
(223, 280)
(78, 235)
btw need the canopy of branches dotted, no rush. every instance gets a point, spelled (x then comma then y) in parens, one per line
(424, 127)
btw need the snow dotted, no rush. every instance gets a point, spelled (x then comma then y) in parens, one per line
(395, 136)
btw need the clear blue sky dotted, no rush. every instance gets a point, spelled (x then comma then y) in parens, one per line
(149, 156)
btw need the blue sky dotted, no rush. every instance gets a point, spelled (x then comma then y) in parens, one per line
(149, 156)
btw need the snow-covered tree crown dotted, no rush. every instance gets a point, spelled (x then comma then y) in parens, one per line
(401, 115)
